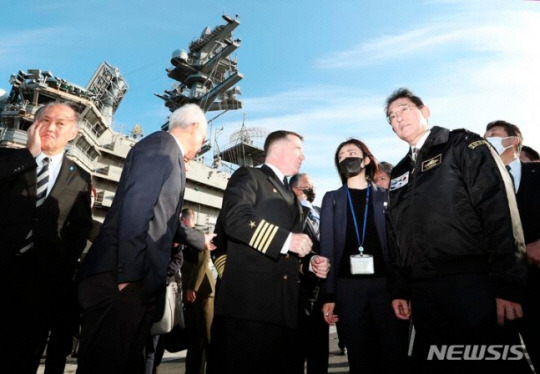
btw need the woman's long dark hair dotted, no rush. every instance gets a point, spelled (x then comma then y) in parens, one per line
(371, 168)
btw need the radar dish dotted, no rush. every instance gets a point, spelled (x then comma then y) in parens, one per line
(246, 134)
(245, 148)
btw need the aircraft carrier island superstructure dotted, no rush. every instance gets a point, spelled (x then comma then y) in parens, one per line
(206, 76)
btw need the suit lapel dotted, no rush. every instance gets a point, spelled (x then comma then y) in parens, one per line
(30, 181)
(341, 216)
(66, 175)
(272, 178)
(288, 196)
(182, 165)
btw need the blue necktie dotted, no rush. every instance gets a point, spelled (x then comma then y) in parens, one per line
(314, 217)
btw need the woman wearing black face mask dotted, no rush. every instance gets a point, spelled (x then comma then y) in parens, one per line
(353, 238)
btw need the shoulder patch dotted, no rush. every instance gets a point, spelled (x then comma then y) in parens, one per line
(475, 144)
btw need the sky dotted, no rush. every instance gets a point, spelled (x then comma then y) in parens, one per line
(321, 68)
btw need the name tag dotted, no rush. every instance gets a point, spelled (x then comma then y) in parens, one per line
(432, 162)
(362, 264)
(399, 182)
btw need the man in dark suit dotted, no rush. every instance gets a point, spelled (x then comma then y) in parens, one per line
(256, 311)
(126, 267)
(44, 222)
(507, 139)
(313, 329)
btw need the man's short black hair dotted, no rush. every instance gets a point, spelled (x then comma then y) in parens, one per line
(510, 128)
(187, 213)
(278, 135)
(403, 92)
(531, 153)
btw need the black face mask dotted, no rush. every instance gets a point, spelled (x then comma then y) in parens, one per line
(351, 166)
(310, 194)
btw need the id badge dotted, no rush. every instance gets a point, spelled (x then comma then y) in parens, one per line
(362, 264)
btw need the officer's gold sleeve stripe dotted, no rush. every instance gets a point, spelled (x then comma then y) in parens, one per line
(270, 238)
(262, 234)
(263, 226)
(220, 265)
(264, 238)
(219, 261)
(254, 237)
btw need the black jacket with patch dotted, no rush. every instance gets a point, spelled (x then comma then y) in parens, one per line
(454, 211)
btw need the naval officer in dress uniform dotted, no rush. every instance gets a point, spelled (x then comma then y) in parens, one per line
(260, 224)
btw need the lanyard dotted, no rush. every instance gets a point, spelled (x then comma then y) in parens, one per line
(360, 243)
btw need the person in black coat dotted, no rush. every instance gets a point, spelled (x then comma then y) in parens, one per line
(354, 240)
(126, 267)
(260, 224)
(45, 219)
(507, 139)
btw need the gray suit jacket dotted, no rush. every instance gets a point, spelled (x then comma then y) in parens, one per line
(136, 238)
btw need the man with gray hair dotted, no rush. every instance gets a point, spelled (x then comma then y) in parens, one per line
(126, 267)
(45, 219)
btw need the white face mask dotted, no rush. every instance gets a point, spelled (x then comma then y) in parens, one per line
(496, 142)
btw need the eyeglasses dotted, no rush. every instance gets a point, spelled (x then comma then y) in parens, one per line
(401, 109)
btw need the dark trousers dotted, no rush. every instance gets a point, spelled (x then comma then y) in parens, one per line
(529, 326)
(247, 347)
(34, 303)
(115, 325)
(65, 326)
(376, 340)
(24, 334)
(313, 341)
(459, 310)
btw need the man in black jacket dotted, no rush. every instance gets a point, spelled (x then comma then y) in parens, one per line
(458, 255)
(507, 139)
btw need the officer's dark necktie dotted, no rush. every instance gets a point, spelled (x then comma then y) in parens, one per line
(511, 176)
(41, 194)
(287, 187)
(414, 153)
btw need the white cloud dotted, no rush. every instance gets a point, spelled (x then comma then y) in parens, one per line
(491, 73)
(468, 30)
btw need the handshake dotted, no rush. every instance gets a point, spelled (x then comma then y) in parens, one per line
(301, 245)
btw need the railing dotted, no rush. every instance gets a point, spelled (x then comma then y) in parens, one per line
(9, 136)
(87, 129)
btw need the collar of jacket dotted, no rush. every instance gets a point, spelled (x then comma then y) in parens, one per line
(438, 135)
